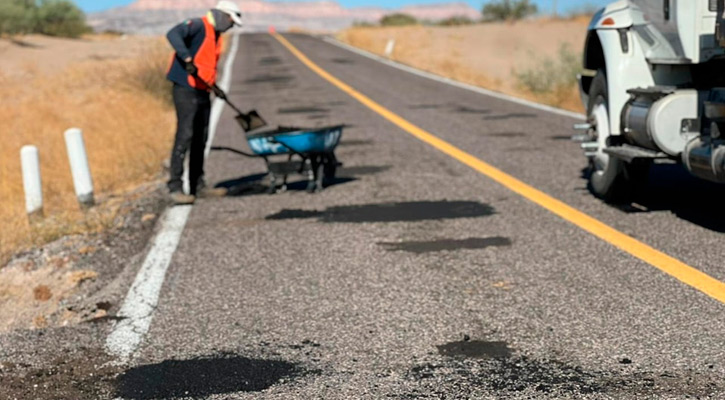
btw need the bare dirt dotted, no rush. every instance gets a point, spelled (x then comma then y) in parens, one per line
(75, 279)
(37, 54)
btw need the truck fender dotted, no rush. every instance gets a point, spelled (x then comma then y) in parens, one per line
(625, 70)
(617, 15)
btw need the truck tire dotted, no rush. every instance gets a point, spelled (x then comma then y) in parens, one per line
(607, 175)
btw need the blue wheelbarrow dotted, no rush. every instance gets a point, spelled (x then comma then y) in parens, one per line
(287, 151)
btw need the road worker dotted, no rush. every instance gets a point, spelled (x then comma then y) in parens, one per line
(193, 71)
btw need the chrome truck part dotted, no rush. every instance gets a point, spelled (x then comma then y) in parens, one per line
(661, 118)
(705, 158)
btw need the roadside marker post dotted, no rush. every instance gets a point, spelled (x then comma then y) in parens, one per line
(79, 167)
(32, 184)
(389, 48)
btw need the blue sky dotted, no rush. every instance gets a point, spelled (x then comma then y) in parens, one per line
(544, 5)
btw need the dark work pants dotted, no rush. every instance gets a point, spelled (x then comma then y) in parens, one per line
(192, 113)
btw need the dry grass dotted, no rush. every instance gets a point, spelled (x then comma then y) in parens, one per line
(494, 56)
(412, 47)
(127, 124)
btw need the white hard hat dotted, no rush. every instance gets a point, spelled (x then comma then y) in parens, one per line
(231, 8)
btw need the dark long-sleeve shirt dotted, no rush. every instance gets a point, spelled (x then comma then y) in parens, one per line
(186, 39)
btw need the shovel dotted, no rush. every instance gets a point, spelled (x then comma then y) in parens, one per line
(248, 121)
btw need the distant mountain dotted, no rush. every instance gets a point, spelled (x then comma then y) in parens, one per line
(156, 16)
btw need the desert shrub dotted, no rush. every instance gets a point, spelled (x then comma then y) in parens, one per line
(149, 73)
(553, 80)
(48, 17)
(456, 21)
(398, 20)
(61, 18)
(551, 74)
(362, 24)
(17, 16)
(506, 10)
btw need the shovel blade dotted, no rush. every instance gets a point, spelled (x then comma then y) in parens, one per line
(250, 121)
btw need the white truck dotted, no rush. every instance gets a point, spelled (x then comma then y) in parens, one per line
(654, 91)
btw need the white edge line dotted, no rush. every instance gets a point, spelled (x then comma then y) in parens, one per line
(226, 82)
(453, 82)
(143, 296)
(138, 307)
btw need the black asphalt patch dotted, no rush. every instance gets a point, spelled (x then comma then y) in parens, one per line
(427, 106)
(475, 349)
(505, 374)
(364, 170)
(202, 377)
(447, 245)
(267, 78)
(507, 134)
(392, 212)
(509, 116)
(560, 137)
(467, 368)
(469, 110)
(270, 61)
(342, 61)
(302, 110)
(453, 107)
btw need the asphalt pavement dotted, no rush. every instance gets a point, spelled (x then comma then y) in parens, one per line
(414, 276)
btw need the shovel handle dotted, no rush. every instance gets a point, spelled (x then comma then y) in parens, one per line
(220, 94)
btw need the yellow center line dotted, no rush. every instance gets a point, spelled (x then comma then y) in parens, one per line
(676, 268)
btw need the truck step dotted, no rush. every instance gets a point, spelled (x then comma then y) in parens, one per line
(630, 153)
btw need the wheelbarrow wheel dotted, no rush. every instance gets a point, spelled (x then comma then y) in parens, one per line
(316, 185)
(330, 163)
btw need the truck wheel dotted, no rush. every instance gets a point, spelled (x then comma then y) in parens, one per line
(607, 177)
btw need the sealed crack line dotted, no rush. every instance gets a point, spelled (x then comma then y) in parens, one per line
(137, 310)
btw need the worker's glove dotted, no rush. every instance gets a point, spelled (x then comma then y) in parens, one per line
(218, 92)
(191, 68)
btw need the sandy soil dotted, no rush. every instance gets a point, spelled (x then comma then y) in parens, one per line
(485, 54)
(36, 54)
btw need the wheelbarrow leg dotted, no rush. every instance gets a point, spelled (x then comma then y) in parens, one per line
(316, 174)
(330, 167)
(272, 189)
(283, 188)
(319, 176)
(310, 175)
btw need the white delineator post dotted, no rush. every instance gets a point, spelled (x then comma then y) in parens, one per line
(79, 166)
(389, 48)
(30, 164)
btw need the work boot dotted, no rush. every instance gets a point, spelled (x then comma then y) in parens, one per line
(206, 193)
(181, 198)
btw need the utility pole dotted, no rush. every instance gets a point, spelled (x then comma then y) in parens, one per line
(554, 7)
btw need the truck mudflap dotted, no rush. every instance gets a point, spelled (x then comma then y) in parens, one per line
(585, 82)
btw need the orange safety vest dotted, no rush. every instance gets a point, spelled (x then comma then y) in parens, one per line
(206, 58)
